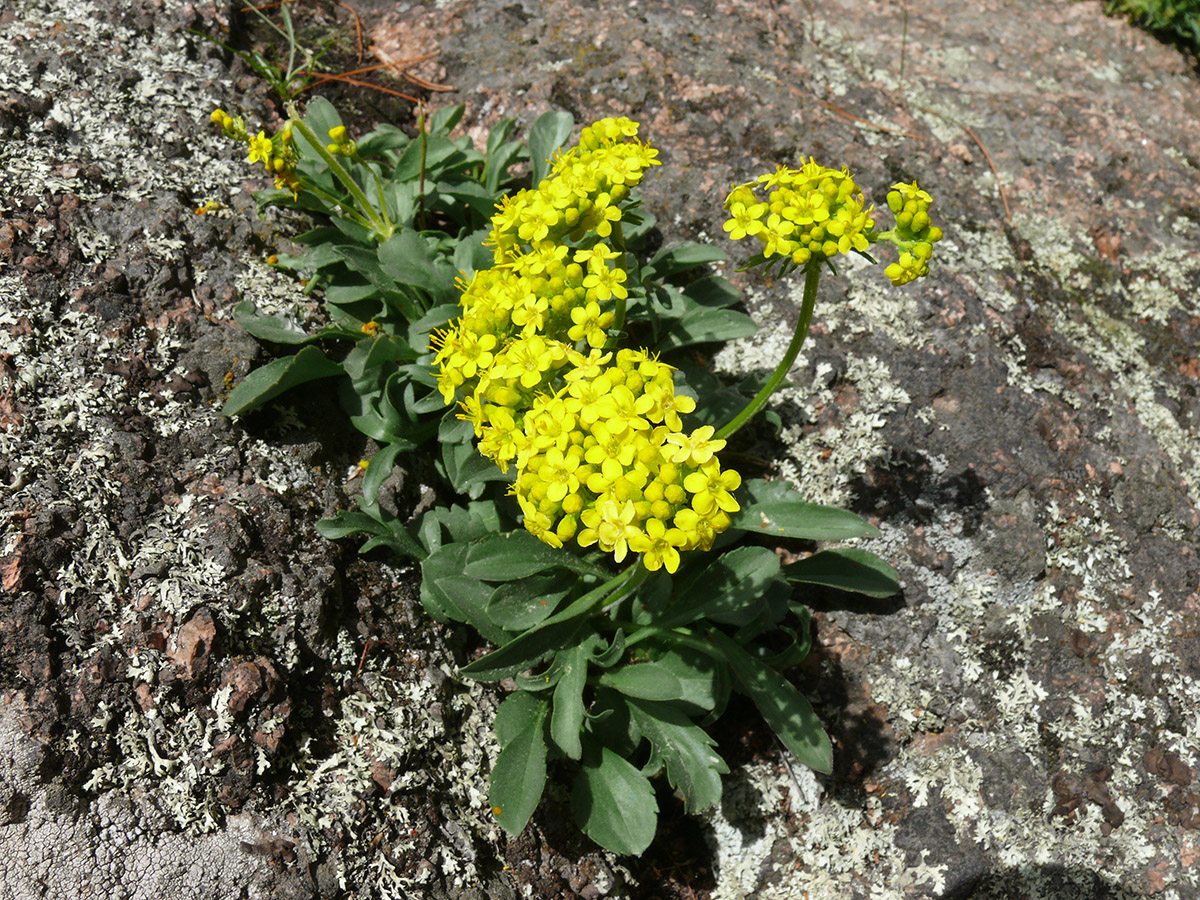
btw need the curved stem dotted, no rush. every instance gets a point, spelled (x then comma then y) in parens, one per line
(637, 573)
(339, 204)
(383, 230)
(682, 636)
(420, 222)
(812, 276)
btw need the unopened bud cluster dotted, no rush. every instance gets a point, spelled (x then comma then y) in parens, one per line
(915, 234)
(596, 438)
(278, 154)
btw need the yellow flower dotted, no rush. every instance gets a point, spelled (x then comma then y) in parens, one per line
(261, 149)
(713, 489)
(659, 546)
(695, 449)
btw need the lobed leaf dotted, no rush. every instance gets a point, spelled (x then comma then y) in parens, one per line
(567, 718)
(685, 749)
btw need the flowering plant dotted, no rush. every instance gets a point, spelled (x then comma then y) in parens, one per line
(629, 580)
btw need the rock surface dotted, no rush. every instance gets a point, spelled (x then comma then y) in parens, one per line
(183, 655)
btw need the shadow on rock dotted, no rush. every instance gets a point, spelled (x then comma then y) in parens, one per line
(1048, 882)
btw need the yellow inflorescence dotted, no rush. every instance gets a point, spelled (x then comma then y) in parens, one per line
(278, 154)
(582, 194)
(600, 453)
(914, 233)
(809, 213)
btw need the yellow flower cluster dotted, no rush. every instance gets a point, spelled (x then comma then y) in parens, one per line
(278, 155)
(582, 194)
(604, 461)
(915, 234)
(809, 213)
(600, 452)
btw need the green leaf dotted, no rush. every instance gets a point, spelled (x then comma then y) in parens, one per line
(379, 468)
(704, 681)
(730, 589)
(784, 708)
(320, 116)
(278, 329)
(346, 523)
(776, 508)
(441, 154)
(649, 681)
(468, 194)
(613, 802)
(370, 521)
(351, 229)
(685, 749)
(846, 569)
(610, 723)
(271, 380)
(350, 292)
(437, 317)
(518, 554)
(526, 649)
(606, 657)
(547, 134)
(679, 258)
(471, 256)
(381, 140)
(567, 718)
(501, 153)
(467, 469)
(703, 325)
(370, 353)
(544, 680)
(401, 199)
(444, 119)
(716, 402)
(519, 776)
(713, 291)
(448, 593)
(518, 605)
(513, 716)
(408, 258)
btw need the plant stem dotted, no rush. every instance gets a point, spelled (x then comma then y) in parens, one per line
(383, 229)
(338, 203)
(636, 574)
(812, 276)
(680, 636)
(420, 223)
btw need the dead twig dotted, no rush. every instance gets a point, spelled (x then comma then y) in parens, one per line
(982, 149)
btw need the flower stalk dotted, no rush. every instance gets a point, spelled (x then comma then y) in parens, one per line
(812, 277)
(380, 225)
